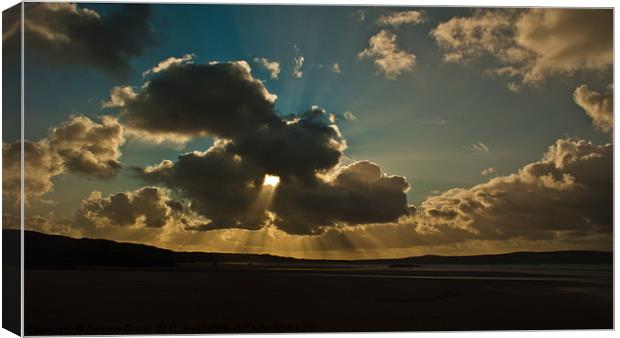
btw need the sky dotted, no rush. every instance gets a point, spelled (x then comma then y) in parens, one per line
(391, 131)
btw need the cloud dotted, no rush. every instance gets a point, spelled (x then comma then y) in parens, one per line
(436, 122)
(531, 45)
(227, 191)
(396, 19)
(566, 40)
(270, 65)
(564, 201)
(148, 207)
(40, 165)
(514, 87)
(88, 148)
(350, 116)
(567, 195)
(223, 186)
(224, 183)
(78, 145)
(599, 106)
(488, 171)
(388, 59)
(118, 96)
(335, 67)
(297, 148)
(167, 63)
(479, 148)
(221, 189)
(299, 62)
(358, 194)
(219, 184)
(360, 14)
(66, 34)
(485, 31)
(194, 100)
(357, 209)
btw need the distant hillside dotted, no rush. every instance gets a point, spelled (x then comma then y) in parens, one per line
(45, 251)
(52, 251)
(528, 258)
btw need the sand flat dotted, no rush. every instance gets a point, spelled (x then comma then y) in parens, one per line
(243, 298)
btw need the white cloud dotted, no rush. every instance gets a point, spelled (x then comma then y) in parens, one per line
(149, 207)
(87, 147)
(335, 67)
(599, 106)
(78, 145)
(567, 195)
(565, 40)
(402, 18)
(299, 62)
(350, 116)
(169, 62)
(388, 59)
(465, 38)
(360, 14)
(479, 148)
(119, 96)
(530, 45)
(488, 171)
(40, 165)
(270, 65)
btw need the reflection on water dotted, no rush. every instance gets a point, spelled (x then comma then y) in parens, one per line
(516, 278)
(598, 274)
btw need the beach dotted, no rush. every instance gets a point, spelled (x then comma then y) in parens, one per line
(196, 298)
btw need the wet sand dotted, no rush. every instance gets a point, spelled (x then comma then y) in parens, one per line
(203, 299)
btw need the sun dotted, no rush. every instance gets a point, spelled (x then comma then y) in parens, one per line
(271, 180)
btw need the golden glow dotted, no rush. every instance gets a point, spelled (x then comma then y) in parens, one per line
(271, 180)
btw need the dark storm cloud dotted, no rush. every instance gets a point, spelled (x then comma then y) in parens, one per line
(225, 188)
(298, 147)
(66, 34)
(187, 100)
(359, 194)
(224, 185)
(218, 183)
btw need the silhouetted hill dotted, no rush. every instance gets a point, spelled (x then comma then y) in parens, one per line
(52, 252)
(45, 251)
(547, 257)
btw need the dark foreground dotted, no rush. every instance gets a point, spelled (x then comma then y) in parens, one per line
(205, 298)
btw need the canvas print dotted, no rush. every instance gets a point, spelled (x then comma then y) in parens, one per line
(213, 168)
